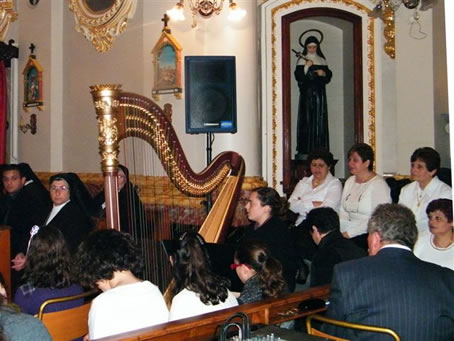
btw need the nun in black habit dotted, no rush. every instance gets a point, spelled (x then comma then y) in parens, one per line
(132, 211)
(70, 209)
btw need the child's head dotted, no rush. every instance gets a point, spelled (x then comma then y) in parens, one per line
(254, 258)
(105, 252)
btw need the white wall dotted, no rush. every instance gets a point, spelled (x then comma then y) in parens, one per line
(67, 132)
(406, 108)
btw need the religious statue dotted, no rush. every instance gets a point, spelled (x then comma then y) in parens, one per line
(312, 74)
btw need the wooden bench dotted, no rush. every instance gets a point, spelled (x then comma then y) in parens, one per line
(206, 327)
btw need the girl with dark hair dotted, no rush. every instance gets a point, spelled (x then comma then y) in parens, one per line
(197, 289)
(132, 212)
(437, 245)
(264, 208)
(362, 193)
(47, 273)
(109, 260)
(260, 273)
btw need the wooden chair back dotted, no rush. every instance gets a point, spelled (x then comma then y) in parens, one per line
(67, 324)
(5, 257)
(312, 331)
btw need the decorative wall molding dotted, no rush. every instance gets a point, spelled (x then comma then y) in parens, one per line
(272, 104)
(100, 21)
(7, 15)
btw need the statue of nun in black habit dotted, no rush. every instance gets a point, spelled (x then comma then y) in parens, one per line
(312, 74)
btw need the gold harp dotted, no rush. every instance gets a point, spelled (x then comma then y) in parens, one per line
(121, 115)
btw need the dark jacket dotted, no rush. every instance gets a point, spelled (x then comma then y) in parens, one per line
(22, 212)
(332, 249)
(397, 290)
(73, 223)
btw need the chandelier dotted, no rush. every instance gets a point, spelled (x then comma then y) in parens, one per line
(385, 10)
(395, 4)
(205, 8)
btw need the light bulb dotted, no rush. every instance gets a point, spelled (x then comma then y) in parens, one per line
(176, 13)
(236, 13)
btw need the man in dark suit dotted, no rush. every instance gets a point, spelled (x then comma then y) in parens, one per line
(332, 246)
(21, 207)
(393, 288)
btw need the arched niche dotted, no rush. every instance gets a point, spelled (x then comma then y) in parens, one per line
(349, 47)
(342, 39)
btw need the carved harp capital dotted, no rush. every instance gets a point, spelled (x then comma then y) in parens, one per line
(107, 104)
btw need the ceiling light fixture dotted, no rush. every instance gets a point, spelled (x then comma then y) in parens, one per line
(205, 8)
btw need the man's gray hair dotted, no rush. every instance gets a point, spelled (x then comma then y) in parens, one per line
(395, 224)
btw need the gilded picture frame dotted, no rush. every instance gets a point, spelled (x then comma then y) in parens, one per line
(7, 16)
(167, 65)
(33, 84)
(100, 21)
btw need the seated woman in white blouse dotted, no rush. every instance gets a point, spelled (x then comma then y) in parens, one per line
(362, 193)
(437, 245)
(196, 288)
(426, 186)
(321, 189)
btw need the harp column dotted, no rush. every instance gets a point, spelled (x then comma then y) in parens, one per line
(107, 105)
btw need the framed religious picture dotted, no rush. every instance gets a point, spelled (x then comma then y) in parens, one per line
(33, 84)
(100, 21)
(167, 65)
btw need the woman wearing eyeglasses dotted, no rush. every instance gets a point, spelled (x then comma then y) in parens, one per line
(70, 211)
(260, 273)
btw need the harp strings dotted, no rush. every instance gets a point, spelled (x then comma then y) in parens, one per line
(147, 227)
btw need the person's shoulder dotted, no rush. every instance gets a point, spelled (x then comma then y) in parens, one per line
(444, 188)
(350, 181)
(378, 179)
(185, 296)
(149, 287)
(437, 273)
(409, 187)
(356, 264)
(20, 326)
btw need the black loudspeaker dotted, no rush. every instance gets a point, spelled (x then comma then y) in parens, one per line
(210, 100)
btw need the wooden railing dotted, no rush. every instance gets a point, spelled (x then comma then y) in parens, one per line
(206, 327)
(5, 256)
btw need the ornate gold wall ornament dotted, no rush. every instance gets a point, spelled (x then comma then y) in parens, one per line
(100, 21)
(389, 30)
(370, 62)
(7, 16)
